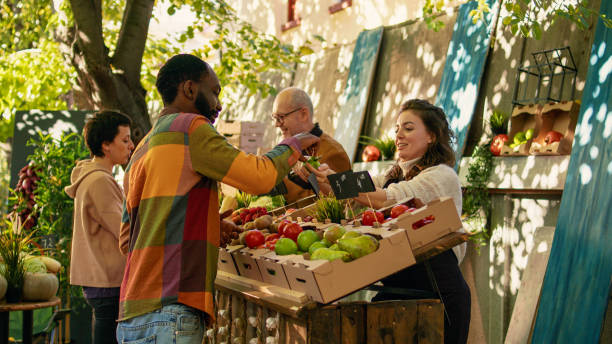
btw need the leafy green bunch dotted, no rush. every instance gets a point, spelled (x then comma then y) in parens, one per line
(14, 243)
(328, 207)
(54, 160)
(385, 145)
(499, 122)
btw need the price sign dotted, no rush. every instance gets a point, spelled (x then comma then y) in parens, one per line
(364, 182)
(344, 185)
(48, 241)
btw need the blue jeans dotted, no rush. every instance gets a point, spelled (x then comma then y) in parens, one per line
(175, 323)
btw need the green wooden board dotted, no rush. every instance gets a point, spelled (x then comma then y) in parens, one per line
(577, 283)
(357, 92)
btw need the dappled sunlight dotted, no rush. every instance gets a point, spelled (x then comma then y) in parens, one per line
(410, 66)
(513, 240)
(30, 123)
(323, 77)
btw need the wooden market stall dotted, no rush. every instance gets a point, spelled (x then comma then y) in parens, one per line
(251, 311)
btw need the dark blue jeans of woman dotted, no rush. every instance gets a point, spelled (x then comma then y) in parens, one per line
(105, 311)
(453, 288)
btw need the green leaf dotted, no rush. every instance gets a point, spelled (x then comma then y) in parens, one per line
(536, 30)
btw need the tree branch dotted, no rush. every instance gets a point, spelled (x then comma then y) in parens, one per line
(132, 40)
(89, 30)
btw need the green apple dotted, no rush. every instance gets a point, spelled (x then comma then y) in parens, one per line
(285, 246)
(306, 238)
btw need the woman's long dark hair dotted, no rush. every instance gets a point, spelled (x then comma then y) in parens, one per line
(439, 150)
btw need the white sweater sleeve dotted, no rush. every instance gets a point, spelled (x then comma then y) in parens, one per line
(431, 184)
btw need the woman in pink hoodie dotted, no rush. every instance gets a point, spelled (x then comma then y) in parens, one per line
(96, 262)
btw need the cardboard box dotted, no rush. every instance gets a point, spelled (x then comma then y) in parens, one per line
(272, 270)
(561, 117)
(246, 264)
(428, 223)
(231, 127)
(247, 143)
(523, 118)
(225, 261)
(326, 281)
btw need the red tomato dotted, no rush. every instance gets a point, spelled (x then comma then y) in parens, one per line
(282, 225)
(274, 236)
(370, 153)
(498, 143)
(271, 244)
(370, 217)
(254, 238)
(380, 216)
(292, 230)
(553, 136)
(398, 210)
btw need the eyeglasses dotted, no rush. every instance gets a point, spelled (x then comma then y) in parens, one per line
(280, 118)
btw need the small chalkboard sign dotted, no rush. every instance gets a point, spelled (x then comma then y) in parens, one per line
(48, 241)
(344, 184)
(314, 184)
(364, 182)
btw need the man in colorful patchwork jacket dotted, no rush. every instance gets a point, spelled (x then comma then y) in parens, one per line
(170, 229)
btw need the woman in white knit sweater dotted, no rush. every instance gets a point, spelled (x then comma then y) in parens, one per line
(424, 170)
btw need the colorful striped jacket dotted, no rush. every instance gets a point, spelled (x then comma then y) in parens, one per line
(170, 225)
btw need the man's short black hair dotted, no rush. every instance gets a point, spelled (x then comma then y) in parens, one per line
(176, 70)
(102, 127)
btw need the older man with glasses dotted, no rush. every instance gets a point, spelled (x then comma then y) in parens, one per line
(293, 113)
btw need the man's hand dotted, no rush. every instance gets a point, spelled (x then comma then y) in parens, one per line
(229, 230)
(322, 172)
(305, 140)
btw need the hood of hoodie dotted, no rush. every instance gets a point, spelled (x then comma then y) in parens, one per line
(82, 170)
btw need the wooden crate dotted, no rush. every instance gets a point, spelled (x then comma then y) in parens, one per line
(245, 317)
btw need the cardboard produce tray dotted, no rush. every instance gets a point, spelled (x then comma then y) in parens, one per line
(429, 222)
(561, 117)
(522, 119)
(324, 281)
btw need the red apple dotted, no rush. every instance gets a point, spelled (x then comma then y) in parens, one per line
(552, 136)
(370, 153)
(291, 231)
(498, 143)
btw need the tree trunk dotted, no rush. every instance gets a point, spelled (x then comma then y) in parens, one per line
(110, 82)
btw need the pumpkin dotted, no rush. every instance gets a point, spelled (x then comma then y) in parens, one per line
(39, 286)
(3, 286)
